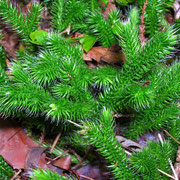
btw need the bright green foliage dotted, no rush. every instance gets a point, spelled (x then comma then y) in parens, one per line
(57, 13)
(164, 110)
(40, 174)
(3, 76)
(124, 91)
(2, 58)
(83, 16)
(138, 97)
(101, 135)
(6, 171)
(2, 54)
(53, 82)
(153, 157)
(140, 60)
(68, 12)
(22, 24)
(102, 28)
(154, 14)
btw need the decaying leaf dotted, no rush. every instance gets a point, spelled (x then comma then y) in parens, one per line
(35, 158)
(63, 163)
(10, 42)
(15, 144)
(107, 55)
(92, 171)
(128, 144)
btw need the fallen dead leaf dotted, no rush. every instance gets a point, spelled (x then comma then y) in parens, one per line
(63, 163)
(10, 42)
(92, 171)
(128, 144)
(15, 144)
(36, 158)
(108, 55)
(20, 151)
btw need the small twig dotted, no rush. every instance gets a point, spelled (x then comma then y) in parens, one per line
(16, 174)
(123, 115)
(173, 170)
(75, 154)
(67, 30)
(128, 153)
(58, 156)
(55, 142)
(171, 136)
(160, 138)
(75, 124)
(85, 177)
(41, 139)
(48, 158)
(168, 175)
(81, 161)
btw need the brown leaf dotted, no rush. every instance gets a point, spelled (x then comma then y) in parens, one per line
(15, 144)
(63, 163)
(128, 144)
(108, 55)
(10, 42)
(36, 158)
(95, 172)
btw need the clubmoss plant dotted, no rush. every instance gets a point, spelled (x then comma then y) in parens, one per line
(53, 82)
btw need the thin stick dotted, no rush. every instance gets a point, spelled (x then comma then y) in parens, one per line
(16, 174)
(123, 115)
(49, 159)
(83, 160)
(58, 156)
(160, 138)
(75, 124)
(128, 153)
(85, 177)
(171, 136)
(67, 30)
(168, 175)
(173, 170)
(55, 142)
(75, 154)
